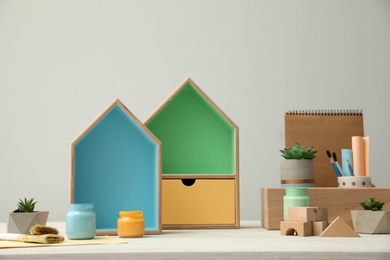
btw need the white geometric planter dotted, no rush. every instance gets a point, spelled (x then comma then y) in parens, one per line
(21, 223)
(371, 222)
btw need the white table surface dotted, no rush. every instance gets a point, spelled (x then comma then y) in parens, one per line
(251, 241)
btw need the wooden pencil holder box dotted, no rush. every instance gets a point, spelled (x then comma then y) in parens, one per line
(200, 186)
(339, 201)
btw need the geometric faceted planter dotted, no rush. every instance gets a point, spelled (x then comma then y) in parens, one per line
(21, 223)
(371, 222)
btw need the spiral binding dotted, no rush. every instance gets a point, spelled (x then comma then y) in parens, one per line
(327, 112)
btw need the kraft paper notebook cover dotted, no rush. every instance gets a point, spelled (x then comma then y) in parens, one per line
(325, 130)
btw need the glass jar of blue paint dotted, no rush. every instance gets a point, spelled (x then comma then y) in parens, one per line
(80, 221)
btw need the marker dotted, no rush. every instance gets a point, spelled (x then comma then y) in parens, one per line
(350, 168)
(337, 164)
(336, 169)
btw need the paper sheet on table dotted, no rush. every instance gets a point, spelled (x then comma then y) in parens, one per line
(98, 240)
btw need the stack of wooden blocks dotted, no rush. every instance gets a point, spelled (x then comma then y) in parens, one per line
(305, 221)
(313, 221)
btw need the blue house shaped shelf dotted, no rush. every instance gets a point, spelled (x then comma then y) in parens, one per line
(116, 165)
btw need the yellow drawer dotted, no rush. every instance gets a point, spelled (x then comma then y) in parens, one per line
(206, 202)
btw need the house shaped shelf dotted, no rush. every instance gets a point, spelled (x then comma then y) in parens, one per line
(200, 158)
(197, 137)
(116, 165)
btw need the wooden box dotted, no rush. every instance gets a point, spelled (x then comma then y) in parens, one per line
(339, 202)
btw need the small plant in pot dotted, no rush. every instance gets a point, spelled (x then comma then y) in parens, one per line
(296, 170)
(372, 219)
(24, 217)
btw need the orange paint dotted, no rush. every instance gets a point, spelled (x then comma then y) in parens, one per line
(131, 224)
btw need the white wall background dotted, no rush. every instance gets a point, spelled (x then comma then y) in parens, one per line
(63, 62)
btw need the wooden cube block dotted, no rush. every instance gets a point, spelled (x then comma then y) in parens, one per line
(290, 228)
(322, 214)
(319, 227)
(302, 214)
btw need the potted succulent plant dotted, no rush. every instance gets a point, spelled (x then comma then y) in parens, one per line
(296, 170)
(24, 217)
(371, 220)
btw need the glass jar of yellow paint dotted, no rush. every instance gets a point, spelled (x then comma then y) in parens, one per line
(131, 224)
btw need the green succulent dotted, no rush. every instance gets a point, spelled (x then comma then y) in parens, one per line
(298, 152)
(372, 204)
(26, 205)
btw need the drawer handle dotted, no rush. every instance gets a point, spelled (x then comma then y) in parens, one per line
(188, 182)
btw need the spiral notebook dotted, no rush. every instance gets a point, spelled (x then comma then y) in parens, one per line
(325, 130)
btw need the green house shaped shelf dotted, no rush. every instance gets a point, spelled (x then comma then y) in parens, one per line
(200, 160)
(116, 165)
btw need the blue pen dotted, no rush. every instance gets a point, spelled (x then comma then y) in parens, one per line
(350, 168)
(336, 169)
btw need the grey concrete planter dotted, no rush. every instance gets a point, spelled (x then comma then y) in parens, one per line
(371, 222)
(21, 223)
(297, 173)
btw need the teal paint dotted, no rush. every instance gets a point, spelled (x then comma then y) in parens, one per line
(81, 221)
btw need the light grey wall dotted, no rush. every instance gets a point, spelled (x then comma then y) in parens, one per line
(63, 62)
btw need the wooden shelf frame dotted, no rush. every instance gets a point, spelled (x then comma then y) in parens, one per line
(167, 123)
(116, 165)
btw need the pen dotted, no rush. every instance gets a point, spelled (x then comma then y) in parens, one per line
(350, 168)
(337, 164)
(334, 164)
